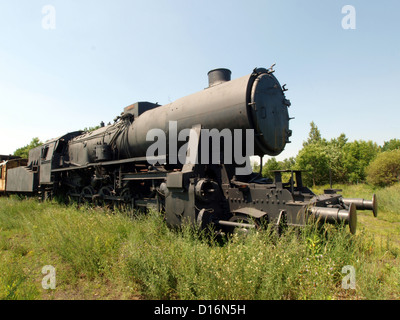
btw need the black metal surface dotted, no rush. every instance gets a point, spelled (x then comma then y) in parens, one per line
(362, 204)
(218, 76)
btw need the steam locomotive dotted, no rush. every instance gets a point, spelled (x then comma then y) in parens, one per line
(186, 160)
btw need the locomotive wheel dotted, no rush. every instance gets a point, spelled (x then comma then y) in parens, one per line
(104, 192)
(242, 218)
(126, 204)
(126, 194)
(86, 194)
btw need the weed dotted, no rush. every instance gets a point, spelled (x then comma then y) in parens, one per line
(100, 254)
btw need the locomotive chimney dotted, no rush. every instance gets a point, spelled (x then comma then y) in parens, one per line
(218, 76)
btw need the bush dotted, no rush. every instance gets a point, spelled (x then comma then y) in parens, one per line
(385, 169)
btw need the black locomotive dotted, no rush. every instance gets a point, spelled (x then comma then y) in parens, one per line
(184, 159)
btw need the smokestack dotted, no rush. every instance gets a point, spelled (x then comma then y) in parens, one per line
(218, 76)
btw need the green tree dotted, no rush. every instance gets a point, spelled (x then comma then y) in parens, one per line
(357, 156)
(314, 160)
(340, 141)
(269, 166)
(392, 144)
(90, 129)
(319, 157)
(314, 136)
(385, 169)
(288, 163)
(23, 152)
(335, 153)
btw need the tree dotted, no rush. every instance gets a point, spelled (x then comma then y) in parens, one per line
(288, 163)
(23, 152)
(314, 135)
(269, 166)
(320, 157)
(340, 141)
(392, 144)
(335, 152)
(314, 160)
(90, 129)
(357, 156)
(385, 169)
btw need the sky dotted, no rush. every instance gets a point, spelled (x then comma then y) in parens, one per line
(67, 64)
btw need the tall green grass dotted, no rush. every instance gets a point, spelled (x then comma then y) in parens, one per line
(102, 255)
(80, 243)
(298, 265)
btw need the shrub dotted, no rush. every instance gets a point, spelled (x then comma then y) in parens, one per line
(385, 169)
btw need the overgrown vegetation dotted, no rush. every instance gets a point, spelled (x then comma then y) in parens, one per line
(341, 161)
(385, 169)
(102, 255)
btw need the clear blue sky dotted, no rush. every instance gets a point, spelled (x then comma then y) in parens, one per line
(105, 55)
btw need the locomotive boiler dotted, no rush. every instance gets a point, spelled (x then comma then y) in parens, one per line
(186, 160)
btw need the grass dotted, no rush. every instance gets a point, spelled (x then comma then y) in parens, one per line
(82, 244)
(100, 255)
